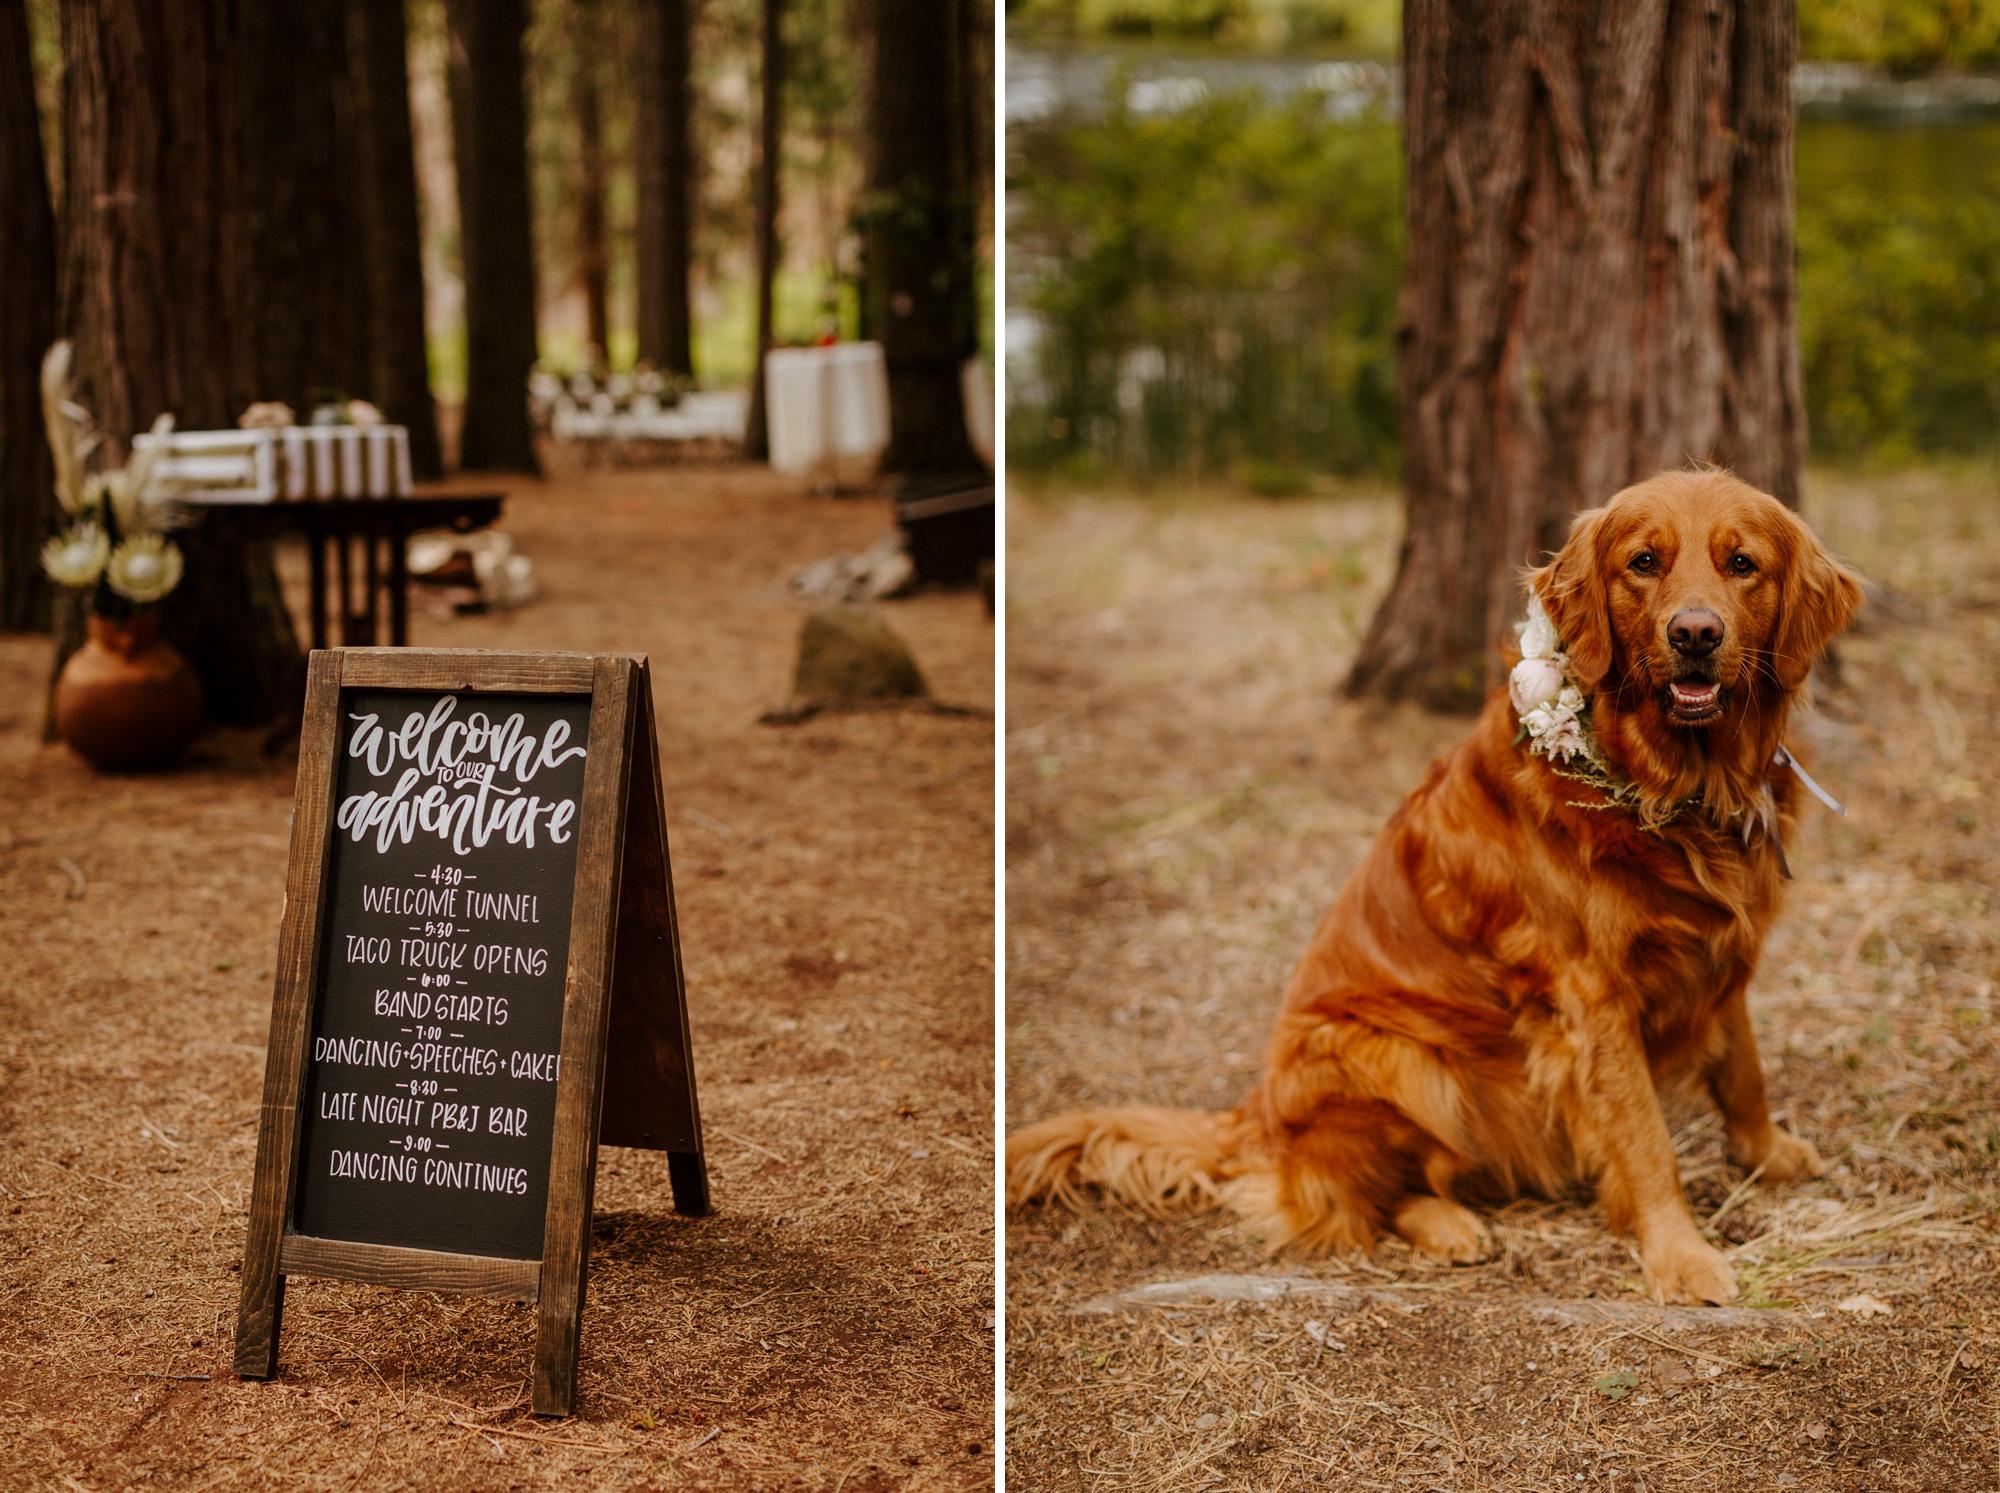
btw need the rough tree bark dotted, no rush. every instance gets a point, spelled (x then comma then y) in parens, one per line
(592, 264)
(28, 510)
(157, 292)
(919, 299)
(490, 144)
(756, 429)
(1599, 285)
(298, 206)
(665, 170)
(399, 362)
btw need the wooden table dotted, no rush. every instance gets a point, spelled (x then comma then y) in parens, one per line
(384, 527)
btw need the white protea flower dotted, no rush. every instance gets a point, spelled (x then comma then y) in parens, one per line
(1538, 633)
(76, 558)
(144, 568)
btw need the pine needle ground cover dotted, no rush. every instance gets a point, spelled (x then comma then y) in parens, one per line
(1187, 790)
(830, 1325)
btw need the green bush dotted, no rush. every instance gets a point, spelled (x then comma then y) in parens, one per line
(1371, 27)
(1213, 290)
(1906, 36)
(1899, 324)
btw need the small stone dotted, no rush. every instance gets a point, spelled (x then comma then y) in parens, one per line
(848, 655)
(1207, 1422)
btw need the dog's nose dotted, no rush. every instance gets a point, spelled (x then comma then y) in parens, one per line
(1695, 632)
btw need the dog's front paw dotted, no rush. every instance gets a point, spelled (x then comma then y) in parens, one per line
(1689, 1272)
(1444, 1230)
(1783, 1156)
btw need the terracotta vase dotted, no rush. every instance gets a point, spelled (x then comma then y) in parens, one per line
(125, 699)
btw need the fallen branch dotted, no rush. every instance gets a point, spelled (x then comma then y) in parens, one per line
(744, 1140)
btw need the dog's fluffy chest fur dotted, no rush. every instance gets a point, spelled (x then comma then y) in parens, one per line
(1492, 913)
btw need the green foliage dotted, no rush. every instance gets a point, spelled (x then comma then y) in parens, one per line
(1899, 323)
(1905, 36)
(1214, 289)
(1368, 26)
(1213, 292)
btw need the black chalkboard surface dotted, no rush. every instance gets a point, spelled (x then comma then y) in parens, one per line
(479, 976)
(430, 1095)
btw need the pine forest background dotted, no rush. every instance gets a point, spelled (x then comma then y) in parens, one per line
(579, 58)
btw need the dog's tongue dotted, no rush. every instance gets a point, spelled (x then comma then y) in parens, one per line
(1693, 695)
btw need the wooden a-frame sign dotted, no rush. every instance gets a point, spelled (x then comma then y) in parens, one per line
(406, 1137)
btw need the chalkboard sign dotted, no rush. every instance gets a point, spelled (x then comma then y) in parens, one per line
(479, 965)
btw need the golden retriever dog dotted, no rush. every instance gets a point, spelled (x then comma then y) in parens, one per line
(1557, 926)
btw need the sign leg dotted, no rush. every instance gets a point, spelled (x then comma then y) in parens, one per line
(586, 1010)
(649, 1088)
(258, 1317)
(556, 1341)
(688, 1171)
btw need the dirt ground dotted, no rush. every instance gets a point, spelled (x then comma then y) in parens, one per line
(829, 1328)
(1186, 790)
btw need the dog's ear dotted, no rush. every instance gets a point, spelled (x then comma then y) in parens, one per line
(1819, 596)
(1571, 588)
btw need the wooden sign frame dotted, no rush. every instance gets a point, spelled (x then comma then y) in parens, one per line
(627, 1074)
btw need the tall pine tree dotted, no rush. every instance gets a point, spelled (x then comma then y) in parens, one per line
(28, 508)
(490, 144)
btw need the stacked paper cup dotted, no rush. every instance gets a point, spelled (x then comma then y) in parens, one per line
(347, 461)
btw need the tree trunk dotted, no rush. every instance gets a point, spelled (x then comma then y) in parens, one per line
(1599, 285)
(28, 509)
(665, 170)
(299, 208)
(147, 221)
(920, 299)
(592, 264)
(399, 367)
(489, 142)
(756, 430)
(159, 294)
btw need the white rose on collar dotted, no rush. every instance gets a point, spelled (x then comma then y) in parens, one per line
(1533, 682)
(1538, 634)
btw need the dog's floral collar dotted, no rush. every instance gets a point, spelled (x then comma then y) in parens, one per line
(1555, 712)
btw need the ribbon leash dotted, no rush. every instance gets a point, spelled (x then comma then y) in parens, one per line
(1784, 758)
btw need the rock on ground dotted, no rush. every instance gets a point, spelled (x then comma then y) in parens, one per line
(848, 655)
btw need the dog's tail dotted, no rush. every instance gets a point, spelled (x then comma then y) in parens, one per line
(1158, 1159)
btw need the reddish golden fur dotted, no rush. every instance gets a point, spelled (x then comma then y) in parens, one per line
(1515, 971)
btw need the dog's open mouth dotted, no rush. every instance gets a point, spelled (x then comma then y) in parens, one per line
(1694, 699)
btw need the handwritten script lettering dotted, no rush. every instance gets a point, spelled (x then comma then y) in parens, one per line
(466, 803)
